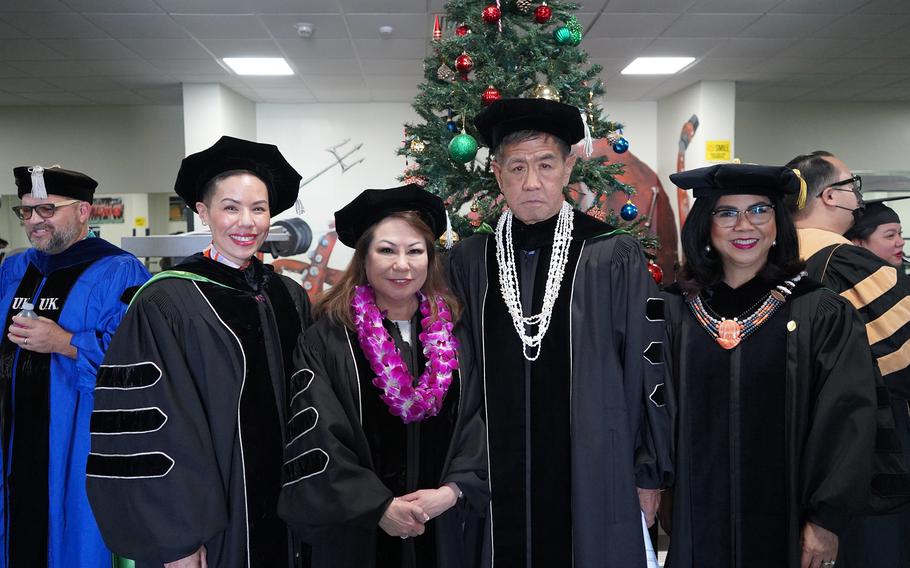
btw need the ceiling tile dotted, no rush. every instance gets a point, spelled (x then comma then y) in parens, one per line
(680, 46)
(132, 67)
(405, 26)
(819, 48)
(724, 64)
(59, 68)
(243, 47)
(883, 94)
(818, 6)
(728, 7)
(96, 83)
(665, 6)
(154, 26)
(750, 47)
(785, 65)
(26, 85)
(166, 95)
(863, 26)
(393, 81)
(630, 25)
(33, 6)
(285, 95)
(709, 25)
(335, 82)
(228, 80)
(167, 48)
(143, 81)
(610, 65)
(90, 48)
(296, 6)
(187, 66)
(54, 25)
(393, 67)
(852, 65)
(9, 32)
(882, 48)
(788, 25)
(115, 6)
(894, 66)
(14, 100)
(670, 87)
(316, 66)
(383, 6)
(207, 6)
(115, 97)
(26, 50)
(284, 82)
(324, 25)
(391, 48)
(56, 98)
(781, 93)
(619, 48)
(7, 70)
(886, 7)
(341, 95)
(223, 26)
(318, 48)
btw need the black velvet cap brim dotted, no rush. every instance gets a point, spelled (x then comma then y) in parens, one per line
(506, 116)
(264, 160)
(373, 205)
(66, 183)
(874, 213)
(738, 179)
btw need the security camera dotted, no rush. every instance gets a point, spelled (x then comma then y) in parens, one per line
(304, 29)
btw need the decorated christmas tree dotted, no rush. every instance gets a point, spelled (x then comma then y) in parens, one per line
(507, 49)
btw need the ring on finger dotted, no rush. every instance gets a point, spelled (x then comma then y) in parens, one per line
(25, 342)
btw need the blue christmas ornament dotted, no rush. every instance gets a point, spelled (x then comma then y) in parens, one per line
(453, 127)
(620, 146)
(629, 211)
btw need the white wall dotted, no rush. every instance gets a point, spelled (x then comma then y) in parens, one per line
(867, 136)
(128, 149)
(639, 120)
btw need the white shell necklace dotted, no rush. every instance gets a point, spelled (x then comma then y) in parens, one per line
(509, 284)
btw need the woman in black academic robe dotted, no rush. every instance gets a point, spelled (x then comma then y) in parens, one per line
(363, 486)
(191, 400)
(776, 386)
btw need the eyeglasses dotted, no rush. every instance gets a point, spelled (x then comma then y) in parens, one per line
(856, 187)
(757, 215)
(45, 210)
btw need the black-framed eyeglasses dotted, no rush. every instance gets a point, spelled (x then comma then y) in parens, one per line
(856, 185)
(757, 215)
(45, 210)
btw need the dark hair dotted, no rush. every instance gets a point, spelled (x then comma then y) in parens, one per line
(704, 268)
(525, 135)
(336, 302)
(209, 190)
(818, 173)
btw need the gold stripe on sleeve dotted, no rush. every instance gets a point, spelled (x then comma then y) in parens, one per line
(871, 287)
(889, 322)
(895, 361)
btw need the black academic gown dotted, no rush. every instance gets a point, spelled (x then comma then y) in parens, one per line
(348, 457)
(572, 434)
(880, 294)
(187, 433)
(771, 434)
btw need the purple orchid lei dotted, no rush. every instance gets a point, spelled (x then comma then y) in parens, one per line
(409, 402)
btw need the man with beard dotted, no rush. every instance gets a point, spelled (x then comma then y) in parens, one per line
(79, 286)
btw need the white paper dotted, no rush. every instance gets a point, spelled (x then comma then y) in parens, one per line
(649, 548)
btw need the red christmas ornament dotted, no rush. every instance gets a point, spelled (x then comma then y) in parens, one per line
(437, 29)
(491, 14)
(462, 30)
(464, 63)
(543, 13)
(490, 96)
(656, 272)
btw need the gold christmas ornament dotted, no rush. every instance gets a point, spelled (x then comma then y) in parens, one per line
(545, 92)
(524, 6)
(443, 240)
(474, 206)
(418, 146)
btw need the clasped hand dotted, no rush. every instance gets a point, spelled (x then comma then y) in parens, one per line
(406, 515)
(41, 336)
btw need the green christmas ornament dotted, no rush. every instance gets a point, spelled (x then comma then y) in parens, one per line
(576, 38)
(573, 25)
(463, 148)
(562, 35)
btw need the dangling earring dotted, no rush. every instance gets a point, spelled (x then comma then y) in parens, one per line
(774, 242)
(707, 248)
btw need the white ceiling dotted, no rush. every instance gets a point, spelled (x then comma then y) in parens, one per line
(61, 52)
